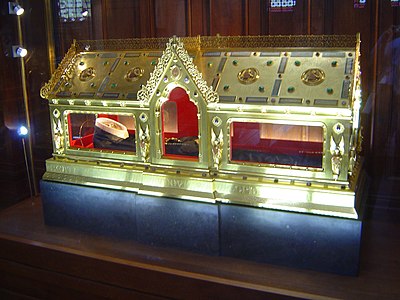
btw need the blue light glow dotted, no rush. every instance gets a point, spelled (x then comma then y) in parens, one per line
(22, 131)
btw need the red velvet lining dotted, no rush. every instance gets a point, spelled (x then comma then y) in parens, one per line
(84, 142)
(187, 120)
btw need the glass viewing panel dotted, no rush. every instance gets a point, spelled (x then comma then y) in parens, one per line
(281, 144)
(102, 131)
(180, 126)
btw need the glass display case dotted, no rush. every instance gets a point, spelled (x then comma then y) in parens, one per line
(213, 119)
(101, 131)
(277, 144)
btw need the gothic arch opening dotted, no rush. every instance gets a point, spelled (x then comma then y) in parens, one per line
(180, 126)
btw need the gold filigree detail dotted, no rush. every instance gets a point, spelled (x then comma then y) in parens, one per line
(58, 133)
(191, 43)
(207, 92)
(175, 72)
(175, 48)
(87, 74)
(337, 151)
(217, 42)
(217, 143)
(279, 41)
(144, 140)
(134, 74)
(145, 93)
(62, 74)
(313, 76)
(248, 75)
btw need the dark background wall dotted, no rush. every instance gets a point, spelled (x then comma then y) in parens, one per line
(377, 21)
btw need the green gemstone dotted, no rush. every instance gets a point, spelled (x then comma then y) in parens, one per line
(226, 87)
(290, 89)
(113, 85)
(269, 63)
(261, 88)
(297, 63)
(329, 90)
(235, 62)
(334, 63)
(153, 62)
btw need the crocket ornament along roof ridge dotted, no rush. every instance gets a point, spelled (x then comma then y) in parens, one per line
(175, 50)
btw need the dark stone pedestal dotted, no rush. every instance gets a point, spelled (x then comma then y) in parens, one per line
(291, 239)
(152, 220)
(285, 238)
(179, 224)
(93, 210)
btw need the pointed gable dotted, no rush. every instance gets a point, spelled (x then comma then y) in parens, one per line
(176, 66)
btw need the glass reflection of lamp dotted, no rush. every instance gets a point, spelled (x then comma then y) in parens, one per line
(85, 13)
(15, 9)
(23, 133)
(19, 51)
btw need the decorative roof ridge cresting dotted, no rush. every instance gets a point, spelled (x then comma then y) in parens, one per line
(175, 47)
(62, 73)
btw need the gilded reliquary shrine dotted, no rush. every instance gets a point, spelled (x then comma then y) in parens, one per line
(266, 121)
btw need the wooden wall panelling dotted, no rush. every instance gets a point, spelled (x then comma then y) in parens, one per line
(70, 31)
(197, 18)
(98, 21)
(291, 22)
(321, 16)
(66, 32)
(255, 12)
(349, 20)
(227, 17)
(122, 19)
(146, 18)
(171, 18)
(264, 21)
